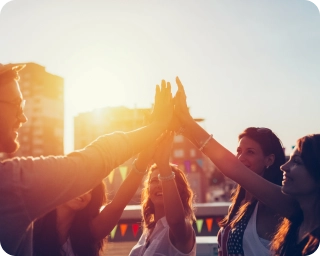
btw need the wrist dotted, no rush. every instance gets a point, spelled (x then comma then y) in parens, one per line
(139, 168)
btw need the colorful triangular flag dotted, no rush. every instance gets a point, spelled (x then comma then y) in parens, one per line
(200, 162)
(199, 225)
(187, 164)
(123, 171)
(110, 176)
(209, 222)
(135, 229)
(113, 232)
(123, 229)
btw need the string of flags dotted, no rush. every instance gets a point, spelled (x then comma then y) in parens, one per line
(123, 227)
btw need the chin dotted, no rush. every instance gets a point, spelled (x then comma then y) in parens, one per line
(10, 146)
(285, 190)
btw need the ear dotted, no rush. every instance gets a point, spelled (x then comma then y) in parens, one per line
(269, 160)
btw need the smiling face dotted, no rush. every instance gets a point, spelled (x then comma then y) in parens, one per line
(155, 189)
(80, 202)
(250, 153)
(297, 180)
(11, 116)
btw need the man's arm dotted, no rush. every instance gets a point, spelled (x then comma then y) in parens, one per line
(46, 182)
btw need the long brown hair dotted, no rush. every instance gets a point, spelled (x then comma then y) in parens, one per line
(46, 237)
(186, 195)
(285, 241)
(270, 144)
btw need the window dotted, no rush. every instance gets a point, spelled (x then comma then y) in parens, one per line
(178, 153)
(193, 152)
(178, 138)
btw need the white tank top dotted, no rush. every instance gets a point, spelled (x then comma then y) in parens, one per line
(254, 245)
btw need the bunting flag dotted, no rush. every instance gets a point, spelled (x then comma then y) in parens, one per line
(135, 229)
(199, 225)
(200, 162)
(209, 223)
(113, 232)
(123, 172)
(123, 229)
(110, 176)
(187, 165)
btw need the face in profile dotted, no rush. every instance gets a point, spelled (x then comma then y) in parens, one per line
(11, 116)
(297, 180)
(250, 153)
(79, 202)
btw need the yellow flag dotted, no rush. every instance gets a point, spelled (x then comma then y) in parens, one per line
(199, 225)
(123, 171)
(110, 176)
(113, 232)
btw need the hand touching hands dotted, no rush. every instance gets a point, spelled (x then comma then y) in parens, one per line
(163, 107)
(181, 111)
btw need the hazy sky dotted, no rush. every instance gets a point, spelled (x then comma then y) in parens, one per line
(243, 63)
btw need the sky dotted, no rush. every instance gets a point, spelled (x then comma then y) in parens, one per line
(243, 63)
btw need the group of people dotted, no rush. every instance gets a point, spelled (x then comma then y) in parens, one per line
(52, 205)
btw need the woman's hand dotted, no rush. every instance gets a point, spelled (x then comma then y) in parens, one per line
(181, 110)
(163, 107)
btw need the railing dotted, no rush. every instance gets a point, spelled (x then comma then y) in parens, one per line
(208, 215)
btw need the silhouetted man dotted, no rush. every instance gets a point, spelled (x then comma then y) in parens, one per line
(30, 187)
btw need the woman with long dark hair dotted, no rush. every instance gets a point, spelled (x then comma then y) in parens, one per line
(250, 225)
(298, 200)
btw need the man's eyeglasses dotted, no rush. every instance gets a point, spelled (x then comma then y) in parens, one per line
(19, 106)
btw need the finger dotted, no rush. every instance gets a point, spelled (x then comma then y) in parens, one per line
(158, 94)
(169, 94)
(179, 84)
(163, 85)
(169, 87)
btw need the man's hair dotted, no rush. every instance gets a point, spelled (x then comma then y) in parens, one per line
(11, 74)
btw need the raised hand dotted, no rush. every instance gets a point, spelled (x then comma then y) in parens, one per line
(181, 111)
(163, 107)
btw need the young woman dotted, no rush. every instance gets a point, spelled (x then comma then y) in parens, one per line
(167, 211)
(299, 198)
(66, 230)
(250, 225)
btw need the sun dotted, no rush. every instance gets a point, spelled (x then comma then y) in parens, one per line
(93, 88)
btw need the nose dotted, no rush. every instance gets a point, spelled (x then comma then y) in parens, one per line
(22, 118)
(241, 157)
(284, 167)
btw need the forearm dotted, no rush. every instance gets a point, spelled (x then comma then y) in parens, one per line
(194, 132)
(173, 206)
(103, 224)
(145, 136)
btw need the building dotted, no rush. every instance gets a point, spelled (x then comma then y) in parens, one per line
(90, 125)
(42, 134)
